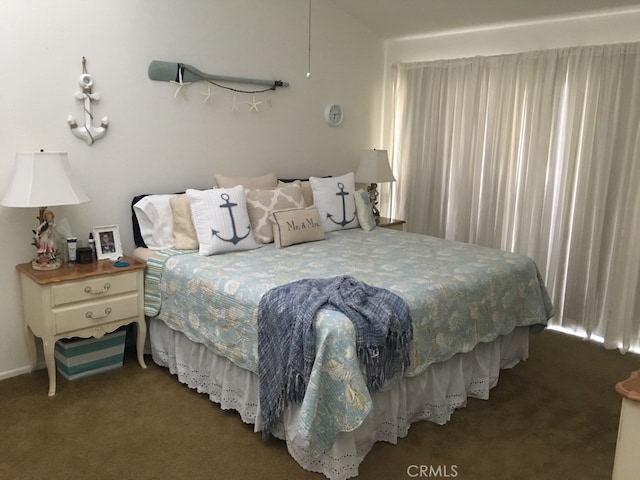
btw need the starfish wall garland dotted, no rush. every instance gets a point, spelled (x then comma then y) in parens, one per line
(183, 75)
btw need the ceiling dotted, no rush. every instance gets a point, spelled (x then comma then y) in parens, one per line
(404, 18)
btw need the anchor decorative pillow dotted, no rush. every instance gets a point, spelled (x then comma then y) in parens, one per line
(221, 220)
(334, 199)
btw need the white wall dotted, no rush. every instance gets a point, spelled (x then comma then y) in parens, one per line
(615, 26)
(157, 144)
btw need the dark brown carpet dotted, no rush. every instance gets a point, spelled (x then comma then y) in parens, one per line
(554, 416)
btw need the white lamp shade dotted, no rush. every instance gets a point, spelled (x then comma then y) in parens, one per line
(42, 179)
(374, 168)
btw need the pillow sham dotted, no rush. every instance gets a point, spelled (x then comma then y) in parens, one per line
(221, 221)
(269, 180)
(363, 211)
(155, 220)
(184, 232)
(297, 225)
(307, 193)
(261, 203)
(334, 198)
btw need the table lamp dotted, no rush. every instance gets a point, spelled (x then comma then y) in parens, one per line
(43, 179)
(373, 169)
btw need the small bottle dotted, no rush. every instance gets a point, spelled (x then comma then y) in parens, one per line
(92, 246)
(72, 245)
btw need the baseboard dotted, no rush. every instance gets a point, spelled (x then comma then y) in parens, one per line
(21, 370)
(14, 373)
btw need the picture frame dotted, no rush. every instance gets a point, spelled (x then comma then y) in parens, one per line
(107, 241)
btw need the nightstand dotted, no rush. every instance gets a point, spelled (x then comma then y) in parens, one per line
(392, 223)
(626, 463)
(81, 300)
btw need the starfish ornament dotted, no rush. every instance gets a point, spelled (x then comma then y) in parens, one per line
(253, 105)
(180, 83)
(208, 95)
(234, 105)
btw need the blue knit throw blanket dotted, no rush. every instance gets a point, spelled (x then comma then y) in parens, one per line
(287, 343)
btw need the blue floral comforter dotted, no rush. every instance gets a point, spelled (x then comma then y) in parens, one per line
(459, 295)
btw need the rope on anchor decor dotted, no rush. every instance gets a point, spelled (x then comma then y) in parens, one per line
(88, 132)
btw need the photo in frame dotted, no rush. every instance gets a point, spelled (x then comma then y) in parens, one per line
(107, 240)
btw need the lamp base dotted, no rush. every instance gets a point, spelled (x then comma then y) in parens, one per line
(373, 198)
(46, 264)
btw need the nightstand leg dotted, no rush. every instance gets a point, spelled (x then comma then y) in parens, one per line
(140, 338)
(31, 348)
(51, 365)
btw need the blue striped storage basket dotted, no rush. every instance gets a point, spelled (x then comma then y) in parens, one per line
(78, 358)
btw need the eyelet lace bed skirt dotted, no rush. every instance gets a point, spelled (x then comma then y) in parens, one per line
(433, 395)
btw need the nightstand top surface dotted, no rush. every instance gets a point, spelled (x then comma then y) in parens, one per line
(78, 271)
(385, 222)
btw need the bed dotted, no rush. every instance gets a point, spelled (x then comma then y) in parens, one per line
(472, 311)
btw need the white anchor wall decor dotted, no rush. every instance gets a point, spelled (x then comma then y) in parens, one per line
(88, 132)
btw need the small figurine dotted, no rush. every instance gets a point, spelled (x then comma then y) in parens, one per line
(373, 198)
(45, 241)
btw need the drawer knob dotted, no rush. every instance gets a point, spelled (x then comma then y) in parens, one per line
(107, 312)
(105, 289)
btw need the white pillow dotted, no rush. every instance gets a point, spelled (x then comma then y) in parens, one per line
(334, 199)
(156, 221)
(363, 210)
(221, 220)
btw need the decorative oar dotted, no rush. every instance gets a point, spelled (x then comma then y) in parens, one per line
(183, 73)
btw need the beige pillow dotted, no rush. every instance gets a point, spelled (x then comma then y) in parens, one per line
(298, 225)
(307, 192)
(264, 181)
(184, 233)
(261, 203)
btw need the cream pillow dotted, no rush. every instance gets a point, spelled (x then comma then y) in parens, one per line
(261, 203)
(268, 180)
(364, 212)
(184, 232)
(221, 220)
(334, 198)
(297, 225)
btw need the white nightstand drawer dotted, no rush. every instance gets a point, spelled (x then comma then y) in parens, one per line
(93, 288)
(96, 313)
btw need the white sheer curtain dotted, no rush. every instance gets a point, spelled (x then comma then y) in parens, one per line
(536, 153)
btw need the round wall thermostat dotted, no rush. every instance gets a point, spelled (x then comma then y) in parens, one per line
(333, 115)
